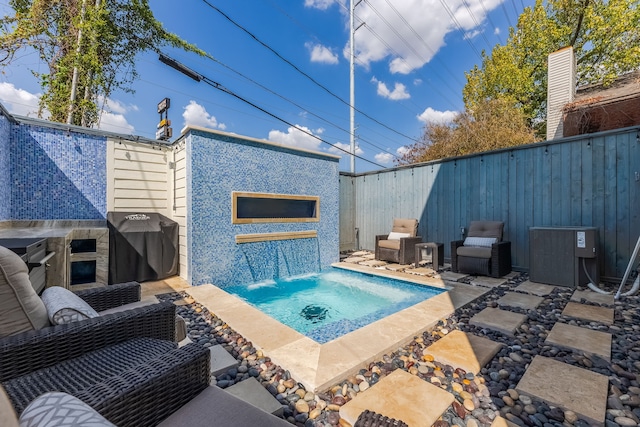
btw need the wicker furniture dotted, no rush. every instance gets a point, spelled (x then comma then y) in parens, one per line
(400, 250)
(138, 382)
(471, 257)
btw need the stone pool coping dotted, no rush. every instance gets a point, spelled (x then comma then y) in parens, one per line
(320, 366)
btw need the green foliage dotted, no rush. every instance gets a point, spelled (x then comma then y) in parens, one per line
(605, 35)
(98, 38)
(493, 124)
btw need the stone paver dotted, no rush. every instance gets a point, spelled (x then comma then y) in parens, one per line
(354, 259)
(221, 361)
(568, 387)
(511, 275)
(499, 320)
(397, 267)
(589, 312)
(591, 296)
(373, 263)
(525, 301)
(488, 282)
(251, 391)
(451, 276)
(501, 422)
(361, 253)
(534, 288)
(402, 396)
(463, 350)
(421, 271)
(583, 339)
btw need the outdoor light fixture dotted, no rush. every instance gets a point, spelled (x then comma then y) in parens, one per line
(178, 66)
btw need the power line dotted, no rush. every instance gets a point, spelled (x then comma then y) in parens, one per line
(455, 20)
(475, 21)
(486, 13)
(228, 18)
(202, 78)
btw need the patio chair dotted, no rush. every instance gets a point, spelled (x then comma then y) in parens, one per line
(126, 364)
(483, 252)
(399, 245)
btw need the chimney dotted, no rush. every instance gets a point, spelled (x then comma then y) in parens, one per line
(561, 89)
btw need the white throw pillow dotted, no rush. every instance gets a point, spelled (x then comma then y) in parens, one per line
(63, 306)
(397, 236)
(480, 242)
(61, 409)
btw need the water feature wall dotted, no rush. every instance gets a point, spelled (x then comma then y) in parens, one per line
(219, 164)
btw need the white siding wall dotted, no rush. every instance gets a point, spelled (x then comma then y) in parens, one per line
(180, 203)
(138, 177)
(561, 89)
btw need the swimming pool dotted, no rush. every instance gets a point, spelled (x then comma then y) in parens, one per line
(332, 303)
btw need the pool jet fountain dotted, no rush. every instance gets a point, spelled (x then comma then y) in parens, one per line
(314, 313)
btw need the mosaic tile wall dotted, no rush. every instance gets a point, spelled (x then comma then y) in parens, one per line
(57, 174)
(220, 164)
(5, 171)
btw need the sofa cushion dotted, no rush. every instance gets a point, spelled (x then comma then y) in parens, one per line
(61, 409)
(405, 225)
(389, 244)
(486, 229)
(480, 242)
(22, 309)
(8, 417)
(474, 252)
(63, 306)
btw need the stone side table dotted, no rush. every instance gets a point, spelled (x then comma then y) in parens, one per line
(437, 253)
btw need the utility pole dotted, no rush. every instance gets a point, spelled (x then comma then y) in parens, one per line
(352, 90)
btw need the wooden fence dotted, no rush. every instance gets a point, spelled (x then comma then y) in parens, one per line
(590, 180)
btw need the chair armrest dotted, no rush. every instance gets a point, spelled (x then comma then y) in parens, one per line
(454, 254)
(377, 249)
(106, 297)
(500, 259)
(32, 350)
(407, 253)
(150, 393)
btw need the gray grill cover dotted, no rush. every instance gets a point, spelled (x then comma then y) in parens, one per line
(142, 246)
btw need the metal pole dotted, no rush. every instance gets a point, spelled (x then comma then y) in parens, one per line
(352, 97)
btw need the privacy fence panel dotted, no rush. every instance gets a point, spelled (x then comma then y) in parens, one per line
(591, 181)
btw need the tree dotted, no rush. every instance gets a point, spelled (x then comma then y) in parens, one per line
(90, 48)
(491, 125)
(605, 35)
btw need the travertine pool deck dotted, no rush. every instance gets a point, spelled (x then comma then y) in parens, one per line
(319, 366)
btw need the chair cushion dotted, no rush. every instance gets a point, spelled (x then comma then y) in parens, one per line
(486, 229)
(57, 409)
(480, 242)
(405, 225)
(389, 244)
(474, 252)
(397, 236)
(8, 417)
(22, 309)
(63, 306)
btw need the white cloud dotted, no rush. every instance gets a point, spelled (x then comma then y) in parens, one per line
(319, 4)
(346, 147)
(19, 101)
(196, 115)
(398, 93)
(496, 31)
(23, 103)
(384, 158)
(434, 116)
(112, 122)
(321, 54)
(299, 137)
(408, 47)
(471, 34)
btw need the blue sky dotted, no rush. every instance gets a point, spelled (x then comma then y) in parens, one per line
(411, 56)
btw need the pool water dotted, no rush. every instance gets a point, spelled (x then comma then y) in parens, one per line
(329, 304)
